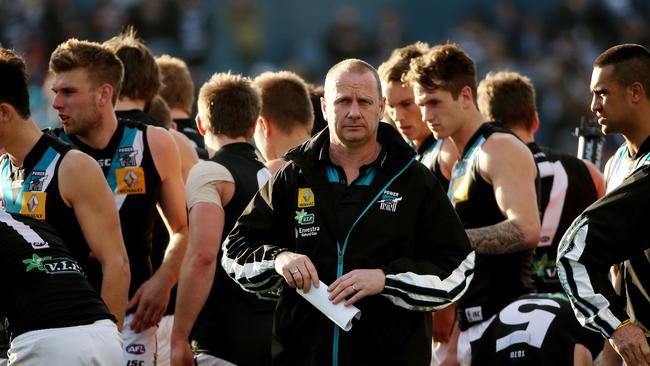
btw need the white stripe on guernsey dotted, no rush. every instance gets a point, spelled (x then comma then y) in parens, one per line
(553, 212)
(585, 291)
(25, 231)
(247, 270)
(138, 145)
(434, 282)
(50, 172)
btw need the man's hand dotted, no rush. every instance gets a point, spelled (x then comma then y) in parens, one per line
(297, 270)
(181, 354)
(629, 341)
(358, 284)
(151, 300)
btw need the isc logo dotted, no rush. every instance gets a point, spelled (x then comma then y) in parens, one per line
(135, 349)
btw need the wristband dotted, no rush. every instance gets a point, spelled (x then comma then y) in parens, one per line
(624, 323)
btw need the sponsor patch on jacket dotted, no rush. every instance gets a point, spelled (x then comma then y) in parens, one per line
(474, 314)
(305, 198)
(389, 200)
(135, 349)
(130, 180)
(33, 205)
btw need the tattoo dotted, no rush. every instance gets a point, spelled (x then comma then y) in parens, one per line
(504, 237)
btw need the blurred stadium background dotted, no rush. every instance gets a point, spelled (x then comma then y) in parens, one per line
(553, 41)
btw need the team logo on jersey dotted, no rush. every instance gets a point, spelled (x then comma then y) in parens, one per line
(127, 156)
(51, 265)
(130, 180)
(305, 198)
(36, 181)
(389, 200)
(33, 205)
(135, 349)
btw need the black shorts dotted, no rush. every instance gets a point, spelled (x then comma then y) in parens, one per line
(535, 329)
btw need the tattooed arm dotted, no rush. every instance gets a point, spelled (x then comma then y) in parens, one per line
(508, 165)
(504, 237)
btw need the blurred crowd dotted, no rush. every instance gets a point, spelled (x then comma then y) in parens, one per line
(553, 47)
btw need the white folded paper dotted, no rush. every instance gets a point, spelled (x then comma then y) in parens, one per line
(340, 314)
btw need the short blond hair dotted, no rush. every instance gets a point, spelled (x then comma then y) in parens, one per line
(177, 85)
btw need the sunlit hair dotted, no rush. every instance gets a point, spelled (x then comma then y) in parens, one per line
(141, 74)
(398, 64)
(285, 100)
(230, 104)
(177, 85)
(507, 97)
(445, 67)
(100, 63)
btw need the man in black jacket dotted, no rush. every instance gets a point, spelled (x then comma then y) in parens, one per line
(354, 209)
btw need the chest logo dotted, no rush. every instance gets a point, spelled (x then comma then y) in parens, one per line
(36, 181)
(127, 156)
(130, 180)
(389, 201)
(305, 198)
(33, 205)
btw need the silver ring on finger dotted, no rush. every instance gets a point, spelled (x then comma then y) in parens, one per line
(354, 288)
(294, 271)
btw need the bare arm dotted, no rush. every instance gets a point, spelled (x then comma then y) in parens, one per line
(153, 295)
(187, 152)
(84, 188)
(509, 166)
(197, 275)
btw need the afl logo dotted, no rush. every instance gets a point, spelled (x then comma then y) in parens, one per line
(135, 349)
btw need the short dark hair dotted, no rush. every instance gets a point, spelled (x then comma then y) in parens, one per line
(445, 67)
(177, 85)
(13, 88)
(141, 73)
(101, 64)
(230, 103)
(631, 64)
(399, 61)
(507, 97)
(285, 100)
(356, 66)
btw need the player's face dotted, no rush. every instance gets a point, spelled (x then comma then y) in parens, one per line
(76, 101)
(609, 101)
(442, 114)
(401, 107)
(353, 108)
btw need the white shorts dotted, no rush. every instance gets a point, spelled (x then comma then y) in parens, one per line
(467, 336)
(139, 349)
(204, 359)
(164, 336)
(98, 343)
